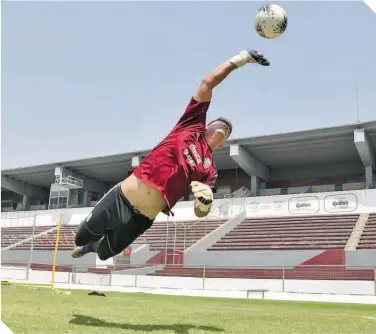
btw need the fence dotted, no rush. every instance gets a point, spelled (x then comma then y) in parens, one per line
(32, 261)
(25, 242)
(305, 279)
(27, 254)
(21, 232)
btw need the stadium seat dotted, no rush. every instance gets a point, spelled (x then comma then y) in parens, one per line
(179, 236)
(12, 235)
(286, 233)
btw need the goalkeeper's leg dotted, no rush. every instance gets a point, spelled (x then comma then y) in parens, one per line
(98, 223)
(111, 227)
(116, 240)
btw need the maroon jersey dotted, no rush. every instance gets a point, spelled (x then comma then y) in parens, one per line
(183, 156)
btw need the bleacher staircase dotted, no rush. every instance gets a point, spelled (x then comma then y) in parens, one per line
(357, 231)
(210, 239)
(368, 237)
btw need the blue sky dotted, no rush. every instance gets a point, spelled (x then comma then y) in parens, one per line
(90, 79)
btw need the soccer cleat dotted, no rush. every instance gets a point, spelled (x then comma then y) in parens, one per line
(80, 251)
(249, 56)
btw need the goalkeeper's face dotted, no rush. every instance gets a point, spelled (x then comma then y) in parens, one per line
(217, 133)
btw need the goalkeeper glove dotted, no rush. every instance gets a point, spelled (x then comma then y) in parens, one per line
(249, 56)
(204, 195)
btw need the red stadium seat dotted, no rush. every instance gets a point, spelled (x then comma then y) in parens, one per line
(284, 233)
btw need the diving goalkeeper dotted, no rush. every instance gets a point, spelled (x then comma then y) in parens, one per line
(183, 159)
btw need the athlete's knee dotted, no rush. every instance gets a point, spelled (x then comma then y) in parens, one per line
(80, 238)
(84, 236)
(104, 255)
(103, 249)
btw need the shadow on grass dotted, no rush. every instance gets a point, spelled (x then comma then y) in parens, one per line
(178, 328)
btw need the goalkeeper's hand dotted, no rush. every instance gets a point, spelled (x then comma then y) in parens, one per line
(203, 194)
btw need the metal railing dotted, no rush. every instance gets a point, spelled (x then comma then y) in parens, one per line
(359, 280)
(175, 238)
(20, 232)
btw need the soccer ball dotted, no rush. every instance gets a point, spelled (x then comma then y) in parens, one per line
(271, 21)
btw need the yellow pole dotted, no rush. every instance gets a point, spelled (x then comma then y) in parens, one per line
(55, 251)
(203, 277)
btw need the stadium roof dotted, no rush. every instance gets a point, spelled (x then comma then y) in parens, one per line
(310, 147)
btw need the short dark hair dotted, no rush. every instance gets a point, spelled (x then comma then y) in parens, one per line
(224, 120)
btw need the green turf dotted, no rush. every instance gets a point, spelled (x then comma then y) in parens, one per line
(38, 310)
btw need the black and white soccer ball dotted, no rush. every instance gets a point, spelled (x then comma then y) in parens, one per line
(271, 21)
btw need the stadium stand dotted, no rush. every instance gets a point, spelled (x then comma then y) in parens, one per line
(179, 236)
(283, 233)
(368, 238)
(324, 230)
(13, 235)
(47, 241)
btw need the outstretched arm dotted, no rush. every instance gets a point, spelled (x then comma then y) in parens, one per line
(215, 77)
(195, 113)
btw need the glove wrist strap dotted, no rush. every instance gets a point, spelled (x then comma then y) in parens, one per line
(240, 59)
(205, 208)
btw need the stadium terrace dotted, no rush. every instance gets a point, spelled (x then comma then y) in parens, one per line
(294, 212)
(328, 159)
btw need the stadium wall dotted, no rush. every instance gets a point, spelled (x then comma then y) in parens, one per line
(63, 258)
(365, 258)
(340, 202)
(199, 284)
(183, 212)
(357, 259)
(287, 259)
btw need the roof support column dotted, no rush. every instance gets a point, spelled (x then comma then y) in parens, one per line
(254, 168)
(135, 161)
(254, 186)
(369, 176)
(365, 154)
(25, 202)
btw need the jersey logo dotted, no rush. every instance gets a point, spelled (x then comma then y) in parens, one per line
(189, 157)
(207, 163)
(195, 153)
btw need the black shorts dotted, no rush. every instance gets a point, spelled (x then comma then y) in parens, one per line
(115, 219)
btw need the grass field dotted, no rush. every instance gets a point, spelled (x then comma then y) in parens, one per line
(38, 310)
